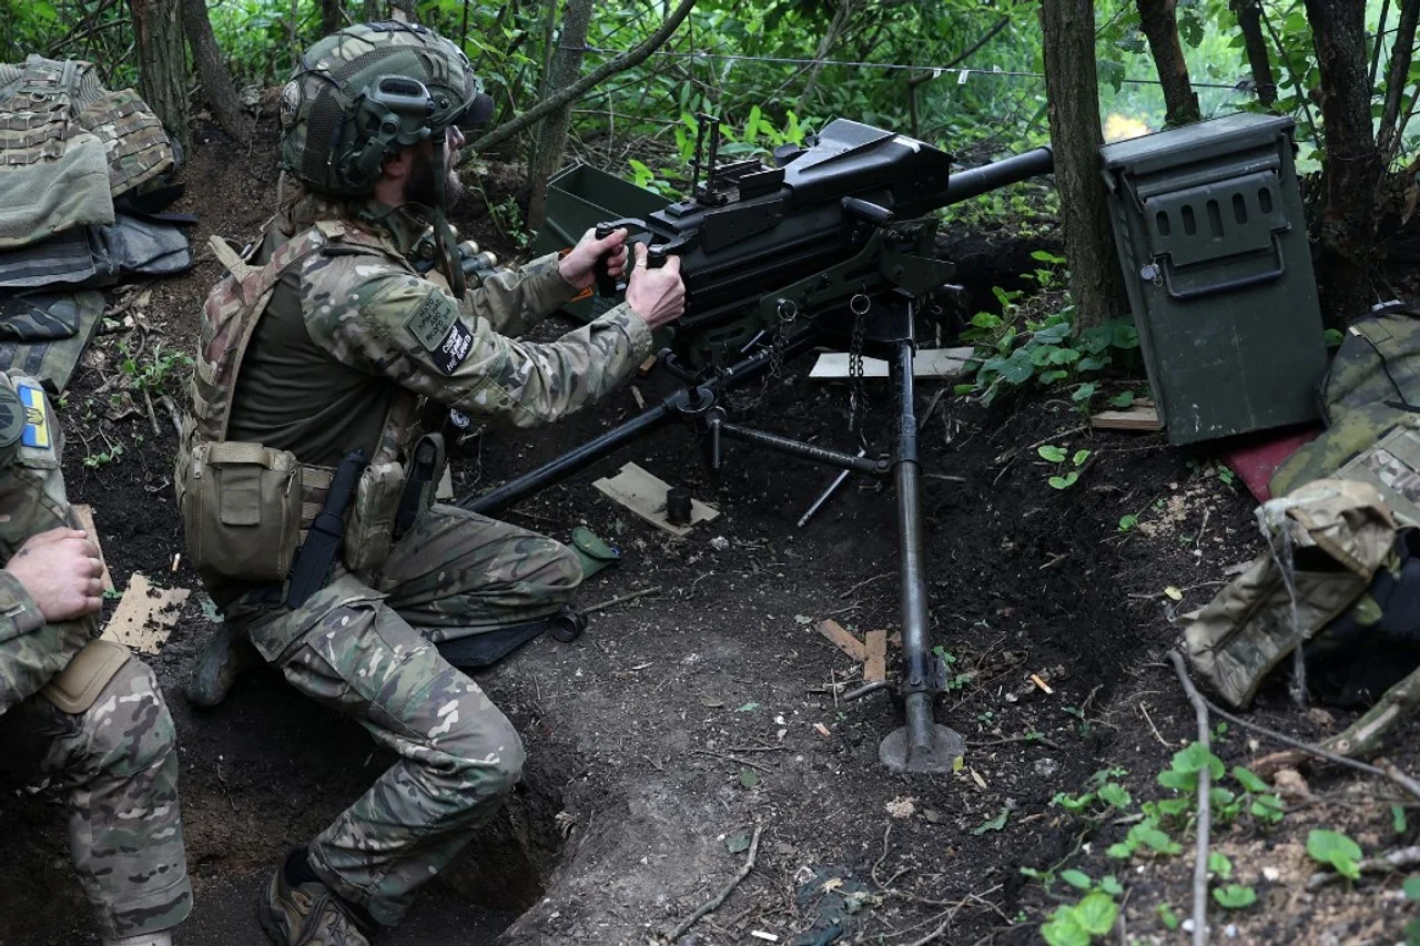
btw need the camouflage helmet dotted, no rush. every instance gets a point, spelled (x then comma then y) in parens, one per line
(362, 94)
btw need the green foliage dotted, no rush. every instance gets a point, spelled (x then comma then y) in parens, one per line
(1081, 923)
(1235, 896)
(161, 372)
(1042, 353)
(1337, 850)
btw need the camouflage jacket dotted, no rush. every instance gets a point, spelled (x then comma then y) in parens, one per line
(33, 500)
(372, 321)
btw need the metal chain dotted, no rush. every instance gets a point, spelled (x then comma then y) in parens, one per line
(857, 397)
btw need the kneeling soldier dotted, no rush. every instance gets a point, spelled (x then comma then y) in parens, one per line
(77, 709)
(306, 484)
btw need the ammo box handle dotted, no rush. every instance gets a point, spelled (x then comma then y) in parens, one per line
(1242, 282)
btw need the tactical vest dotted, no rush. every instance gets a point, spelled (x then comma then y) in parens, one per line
(46, 103)
(245, 506)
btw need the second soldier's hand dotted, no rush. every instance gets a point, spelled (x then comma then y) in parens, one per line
(657, 295)
(60, 570)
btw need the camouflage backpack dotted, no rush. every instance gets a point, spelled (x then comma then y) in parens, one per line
(1341, 536)
(1371, 389)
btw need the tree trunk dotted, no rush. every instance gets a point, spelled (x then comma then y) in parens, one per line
(216, 80)
(1258, 58)
(1159, 21)
(162, 63)
(1072, 90)
(330, 16)
(565, 69)
(1352, 167)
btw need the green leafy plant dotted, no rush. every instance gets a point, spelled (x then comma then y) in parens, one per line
(1235, 896)
(1068, 466)
(162, 368)
(1336, 849)
(1080, 924)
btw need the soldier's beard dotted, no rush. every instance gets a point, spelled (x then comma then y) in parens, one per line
(422, 186)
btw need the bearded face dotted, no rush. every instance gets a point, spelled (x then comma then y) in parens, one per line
(422, 185)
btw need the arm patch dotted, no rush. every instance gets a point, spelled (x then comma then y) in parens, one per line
(432, 321)
(454, 348)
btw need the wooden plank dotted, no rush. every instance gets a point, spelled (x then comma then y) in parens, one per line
(85, 515)
(145, 615)
(843, 640)
(928, 363)
(875, 666)
(1140, 418)
(645, 495)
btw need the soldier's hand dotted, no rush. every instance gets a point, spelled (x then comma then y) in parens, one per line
(657, 295)
(578, 267)
(61, 571)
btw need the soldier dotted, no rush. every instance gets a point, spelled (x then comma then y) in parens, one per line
(316, 354)
(79, 710)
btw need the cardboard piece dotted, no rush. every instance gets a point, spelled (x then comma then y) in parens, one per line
(85, 515)
(928, 363)
(645, 495)
(843, 640)
(145, 615)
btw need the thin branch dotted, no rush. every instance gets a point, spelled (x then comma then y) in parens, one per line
(575, 91)
(714, 902)
(1200, 861)
(1396, 74)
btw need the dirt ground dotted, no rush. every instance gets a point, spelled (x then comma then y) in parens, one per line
(709, 709)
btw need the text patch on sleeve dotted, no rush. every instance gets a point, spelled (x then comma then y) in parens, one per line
(430, 322)
(454, 348)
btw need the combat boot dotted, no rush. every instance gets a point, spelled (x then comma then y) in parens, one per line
(226, 655)
(307, 913)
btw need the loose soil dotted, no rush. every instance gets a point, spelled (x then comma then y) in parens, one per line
(689, 718)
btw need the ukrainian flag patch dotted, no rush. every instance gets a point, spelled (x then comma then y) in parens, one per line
(37, 432)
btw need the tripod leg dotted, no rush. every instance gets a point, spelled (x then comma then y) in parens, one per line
(921, 745)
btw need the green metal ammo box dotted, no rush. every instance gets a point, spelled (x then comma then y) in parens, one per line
(1208, 220)
(578, 199)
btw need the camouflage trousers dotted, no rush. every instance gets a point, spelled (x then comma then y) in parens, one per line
(362, 646)
(117, 762)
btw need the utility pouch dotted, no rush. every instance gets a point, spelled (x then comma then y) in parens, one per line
(241, 505)
(370, 533)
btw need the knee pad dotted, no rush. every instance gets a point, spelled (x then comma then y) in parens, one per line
(77, 687)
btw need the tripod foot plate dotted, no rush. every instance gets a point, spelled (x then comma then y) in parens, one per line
(947, 746)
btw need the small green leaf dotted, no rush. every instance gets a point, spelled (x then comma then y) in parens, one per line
(1077, 879)
(1128, 522)
(1084, 392)
(1250, 780)
(1235, 896)
(1179, 781)
(737, 843)
(1411, 888)
(1267, 808)
(1194, 758)
(1122, 851)
(1152, 837)
(1122, 401)
(1063, 482)
(1397, 818)
(1051, 453)
(1167, 918)
(749, 778)
(1336, 849)
(1111, 886)
(748, 708)
(1115, 795)
(995, 824)
(1220, 866)
(1064, 929)
(1080, 457)
(1096, 913)
(1333, 337)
